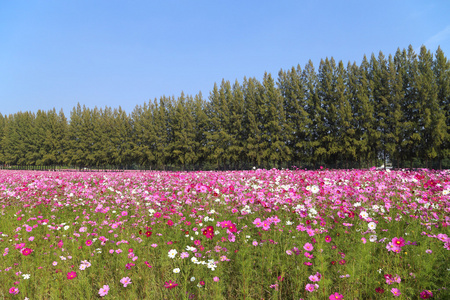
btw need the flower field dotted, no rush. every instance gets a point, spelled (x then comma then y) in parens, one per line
(261, 234)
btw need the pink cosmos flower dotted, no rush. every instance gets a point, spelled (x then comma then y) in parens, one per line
(225, 224)
(257, 222)
(392, 247)
(336, 296)
(14, 290)
(104, 290)
(447, 245)
(311, 287)
(308, 247)
(125, 281)
(19, 246)
(71, 275)
(396, 292)
(216, 279)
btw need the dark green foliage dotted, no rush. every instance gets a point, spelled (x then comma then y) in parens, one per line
(394, 109)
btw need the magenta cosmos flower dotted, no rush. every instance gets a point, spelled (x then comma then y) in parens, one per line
(209, 232)
(327, 238)
(88, 242)
(336, 296)
(398, 242)
(426, 294)
(14, 290)
(26, 251)
(71, 275)
(170, 284)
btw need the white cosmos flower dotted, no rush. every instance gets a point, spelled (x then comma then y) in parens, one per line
(176, 270)
(373, 238)
(26, 276)
(315, 189)
(364, 214)
(372, 225)
(172, 253)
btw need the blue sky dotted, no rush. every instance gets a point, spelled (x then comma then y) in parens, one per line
(54, 54)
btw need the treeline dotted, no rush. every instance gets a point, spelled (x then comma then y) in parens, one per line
(394, 108)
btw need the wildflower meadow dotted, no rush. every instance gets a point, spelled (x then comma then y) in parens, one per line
(259, 234)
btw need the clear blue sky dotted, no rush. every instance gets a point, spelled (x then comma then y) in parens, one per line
(55, 53)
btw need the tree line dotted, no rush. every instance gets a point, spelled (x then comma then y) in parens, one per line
(394, 108)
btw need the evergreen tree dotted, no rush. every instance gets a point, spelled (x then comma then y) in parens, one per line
(296, 105)
(2, 134)
(441, 68)
(200, 127)
(273, 140)
(431, 118)
(161, 134)
(252, 123)
(314, 152)
(235, 150)
(395, 117)
(182, 146)
(380, 93)
(217, 135)
(345, 131)
(143, 124)
(326, 109)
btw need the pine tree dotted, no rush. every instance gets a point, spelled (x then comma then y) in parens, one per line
(161, 134)
(182, 146)
(345, 132)
(217, 135)
(200, 123)
(314, 152)
(235, 151)
(395, 117)
(441, 68)
(252, 123)
(432, 118)
(326, 110)
(296, 104)
(2, 134)
(273, 146)
(381, 97)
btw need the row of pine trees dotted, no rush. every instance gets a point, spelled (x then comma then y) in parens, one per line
(394, 108)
